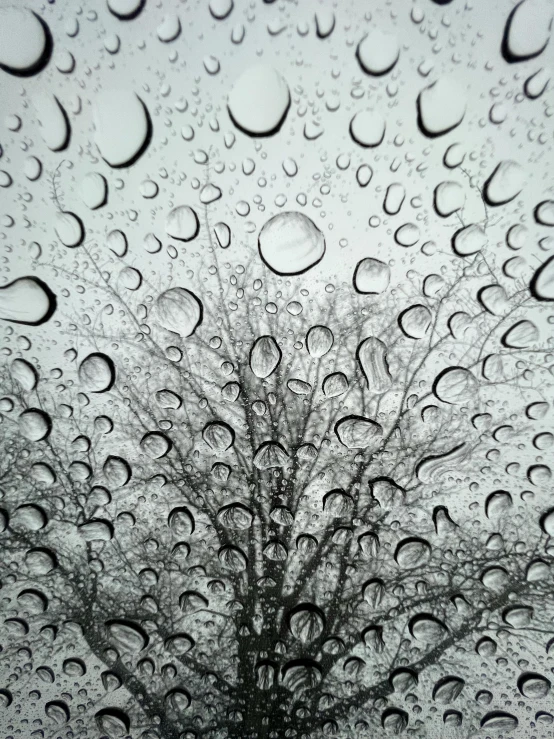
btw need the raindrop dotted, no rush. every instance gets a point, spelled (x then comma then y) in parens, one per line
(407, 235)
(378, 52)
(270, 454)
(235, 516)
(324, 22)
(270, 91)
(413, 552)
(441, 107)
(432, 468)
(367, 128)
(169, 29)
(494, 579)
(371, 276)
(306, 622)
(179, 643)
(53, 121)
(542, 283)
(179, 310)
(448, 689)
(499, 721)
(547, 522)
(58, 711)
(177, 700)
(536, 84)
(117, 471)
(181, 521)
(372, 357)
(527, 30)
(504, 184)
(335, 384)
(415, 321)
(498, 503)
(428, 628)
(364, 173)
(127, 635)
(155, 444)
(182, 223)
(265, 356)
(117, 242)
(220, 9)
(319, 341)
(94, 190)
(97, 373)
(394, 198)
(24, 374)
(300, 675)
(96, 529)
(532, 685)
(290, 243)
(218, 436)
(232, 558)
(357, 432)
(394, 720)
(69, 229)
(373, 592)
(493, 299)
(469, 240)
(521, 335)
(455, 385)
(25, 41)
(113, 721)
(123, 128)
(449, 198)
(35, 424)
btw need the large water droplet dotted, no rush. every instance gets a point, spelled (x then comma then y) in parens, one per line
(265, 356)
(357, 432)
(504, 184)
(378, 52)
(306, 622)
(372, 356)
(35, 424)
(499, 721)
(441, 107)
(24, 374)
(542, 283)
(182, 223)
(371, 276)
(367, 128)
(126, 10)
(319, 341)
(123, 126)
(218, 436)
(53, 121)
(25, 41)
(455, 385)
(179, 310)
(527, 30)
(97, 373)
(290, 243)
(413, 552)
(69, 229)
(259, 101)
(533, 685)
(415, 321)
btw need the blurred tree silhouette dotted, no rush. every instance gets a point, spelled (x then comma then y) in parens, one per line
(241, 510)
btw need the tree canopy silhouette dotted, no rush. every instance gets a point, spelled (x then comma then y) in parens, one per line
(240, 510)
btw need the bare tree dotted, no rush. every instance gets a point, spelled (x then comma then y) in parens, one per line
(241, 509)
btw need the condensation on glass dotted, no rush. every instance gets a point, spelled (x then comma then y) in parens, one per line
(276, 378)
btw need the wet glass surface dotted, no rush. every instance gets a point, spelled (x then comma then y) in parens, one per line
(277, 369)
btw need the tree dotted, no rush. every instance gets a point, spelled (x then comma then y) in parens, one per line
(240, 509)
